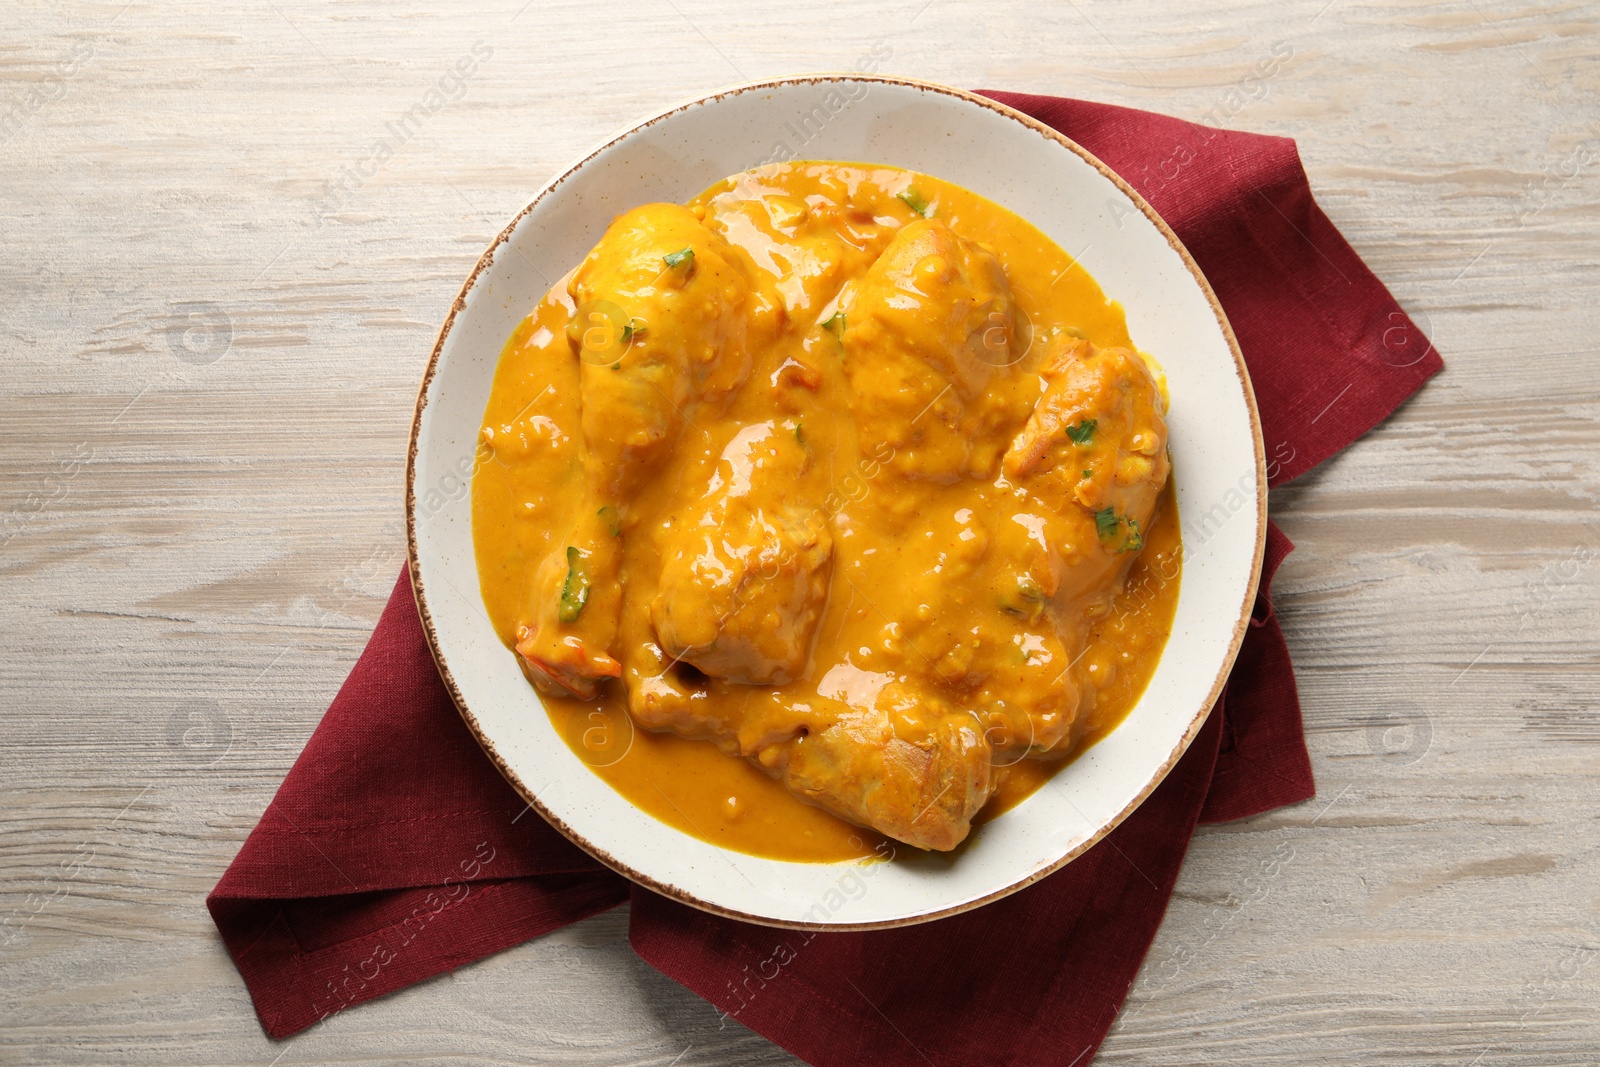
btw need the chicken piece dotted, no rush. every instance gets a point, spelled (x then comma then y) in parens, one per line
(683, 292)
(661, 327)
(1005, 626)
(663, 695)
(745, 577)
(799, 245)
(929, 350)
(577, 596)
(909, 765)
(1093, 455)
(1008, 660)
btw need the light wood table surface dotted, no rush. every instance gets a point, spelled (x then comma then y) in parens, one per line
(211, 349)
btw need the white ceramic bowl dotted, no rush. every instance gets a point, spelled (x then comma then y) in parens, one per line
(1011, 159)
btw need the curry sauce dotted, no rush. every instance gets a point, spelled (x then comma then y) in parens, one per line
(833, 505)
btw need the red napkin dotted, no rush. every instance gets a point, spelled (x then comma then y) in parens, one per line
(394, 851)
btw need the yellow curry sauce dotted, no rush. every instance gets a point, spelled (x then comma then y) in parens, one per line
(847, 471)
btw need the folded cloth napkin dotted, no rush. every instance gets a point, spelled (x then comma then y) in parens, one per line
(394, 851)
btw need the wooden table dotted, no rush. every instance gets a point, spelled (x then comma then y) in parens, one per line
(214, 325)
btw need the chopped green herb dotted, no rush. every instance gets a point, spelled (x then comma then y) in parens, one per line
(1081, 432)
(680, 258)
(575, 591)
(1087, 473)
(617, 365)
(915, 201)
(835, 324)
(1031, 599)
(1028, 611)
(635, 328)
(613, 523)
(799, 434)
(1109, 524)
(1106, 522)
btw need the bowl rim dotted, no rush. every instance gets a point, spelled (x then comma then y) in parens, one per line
(1197, 720)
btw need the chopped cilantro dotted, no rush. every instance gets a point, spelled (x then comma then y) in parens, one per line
(575, 590)
(835, 324)
(613, 523)
(1087, 473)
(1031, 599)
(683, 257)
(914, 200)
(1108, 523)
(634, 328)
(1081, 432)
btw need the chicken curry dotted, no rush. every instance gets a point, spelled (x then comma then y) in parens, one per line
(834, 504)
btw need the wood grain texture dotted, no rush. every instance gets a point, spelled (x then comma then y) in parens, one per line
(210, 354)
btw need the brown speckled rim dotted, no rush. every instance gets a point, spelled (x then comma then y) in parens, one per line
(1240, 627)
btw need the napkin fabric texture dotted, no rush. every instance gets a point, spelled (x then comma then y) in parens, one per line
(394, 851)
